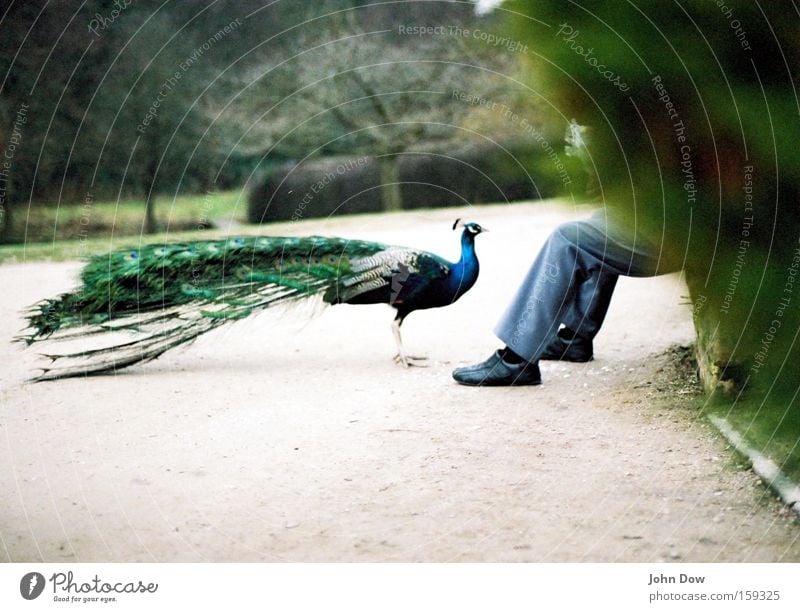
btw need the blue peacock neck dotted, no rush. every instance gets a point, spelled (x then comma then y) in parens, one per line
(465, 272)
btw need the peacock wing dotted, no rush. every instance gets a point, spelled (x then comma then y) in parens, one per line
(390, 275)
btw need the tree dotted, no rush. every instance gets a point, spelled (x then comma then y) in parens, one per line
(89, 89)
(351, 83)
(157, 117)
(17, 76)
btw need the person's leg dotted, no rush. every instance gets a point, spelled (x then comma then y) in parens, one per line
(544, 298)
(576, 273)
(574, 341)
(592, 299)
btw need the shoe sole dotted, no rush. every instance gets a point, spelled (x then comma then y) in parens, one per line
(570, 359)
(498, 384)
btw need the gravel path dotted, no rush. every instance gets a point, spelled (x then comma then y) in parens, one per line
(284, 439)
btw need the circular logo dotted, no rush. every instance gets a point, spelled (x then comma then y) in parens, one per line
(31, 585)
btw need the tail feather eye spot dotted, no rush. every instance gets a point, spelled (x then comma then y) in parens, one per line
(331, 260)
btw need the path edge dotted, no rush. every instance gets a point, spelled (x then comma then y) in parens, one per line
(763, 466)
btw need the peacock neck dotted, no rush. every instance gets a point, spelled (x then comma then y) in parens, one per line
(465, 272)
(467, 247)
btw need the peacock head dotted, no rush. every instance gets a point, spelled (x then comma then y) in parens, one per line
(470, 229)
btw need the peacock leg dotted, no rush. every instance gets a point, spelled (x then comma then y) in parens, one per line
(401, 357)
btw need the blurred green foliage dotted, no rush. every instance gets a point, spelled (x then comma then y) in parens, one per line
(693, 119)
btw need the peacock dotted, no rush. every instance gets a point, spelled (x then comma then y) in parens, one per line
(141, 303)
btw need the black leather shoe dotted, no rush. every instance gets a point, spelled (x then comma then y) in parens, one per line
(565, 349)
(494, 372)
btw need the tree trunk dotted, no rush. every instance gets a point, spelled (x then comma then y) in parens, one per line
(150, 187)
(716, 369)
(391, 197)
(150, 226)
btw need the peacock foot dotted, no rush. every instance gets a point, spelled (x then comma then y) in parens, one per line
(408, 361)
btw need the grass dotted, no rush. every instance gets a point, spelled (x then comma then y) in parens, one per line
(47, 232)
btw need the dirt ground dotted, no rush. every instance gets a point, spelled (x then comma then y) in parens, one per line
(294, 439)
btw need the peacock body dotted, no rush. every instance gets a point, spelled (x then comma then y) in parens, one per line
(146, 301)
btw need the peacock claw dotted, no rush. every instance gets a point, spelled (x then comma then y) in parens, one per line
(411, 360)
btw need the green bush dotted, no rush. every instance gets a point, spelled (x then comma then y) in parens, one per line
(469, 175)
(693, 127)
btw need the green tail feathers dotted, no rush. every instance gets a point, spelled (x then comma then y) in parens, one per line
(170, 294)
(217, 272)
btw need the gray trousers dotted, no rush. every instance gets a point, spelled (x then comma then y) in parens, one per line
(571, 283)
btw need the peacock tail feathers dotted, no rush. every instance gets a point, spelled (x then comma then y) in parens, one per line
(155, 298)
